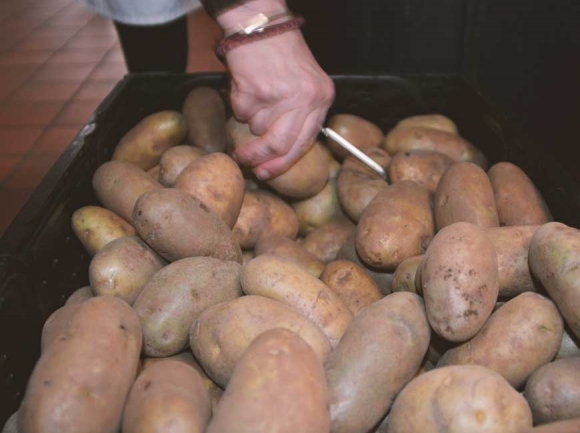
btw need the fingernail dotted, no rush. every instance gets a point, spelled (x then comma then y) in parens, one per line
(263, 174)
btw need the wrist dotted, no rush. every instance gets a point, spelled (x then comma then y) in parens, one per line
(248, 10)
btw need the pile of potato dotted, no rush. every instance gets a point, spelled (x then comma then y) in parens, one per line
(324, 300)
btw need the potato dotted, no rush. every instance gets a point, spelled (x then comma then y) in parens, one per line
(205, 116)
(263, 214)
(144, 144)
(178, 225)
(518, 201)
(154, 172)
(238, 133)
(352, 285)
(289, 250)
(437, 348)
(96, 227)
(167, 395)
(568, 347)
(437, 121)
(278, 386)
(55, 324)
(459, 279)
(464, 194)
(82, 381)
(123, 268)
(357, 185)
(512, 245)
(222, 333)
(404, 277)
(421, 166)
(326, 241)
(410, 138)
(396, 225)
(567, 426)
(80, 295)
(316, 211)
(554, 255)
(379, 353)
(553, 391)
(216, 180)
(277, 278)
(247, 256)
(466, 398)
(360, 132)
(175, 297)
(521, 336)
(173, 162)
(306, 178)
(118, 185)
(11, 425)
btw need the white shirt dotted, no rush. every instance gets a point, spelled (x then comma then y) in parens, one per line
(142, 12)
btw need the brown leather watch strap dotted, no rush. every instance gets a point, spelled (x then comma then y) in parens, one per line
(229, 43)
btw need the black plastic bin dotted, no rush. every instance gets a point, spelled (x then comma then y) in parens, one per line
(42, 262)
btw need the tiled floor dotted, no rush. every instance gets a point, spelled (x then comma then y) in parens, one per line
(57, 62)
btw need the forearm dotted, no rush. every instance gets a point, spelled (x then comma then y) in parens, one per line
(229, 13)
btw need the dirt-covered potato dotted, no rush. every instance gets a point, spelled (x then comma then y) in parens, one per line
(421, 166)
(360, 132)
(465, 194)
(144, 144)
(459, 281)
(554, 256)
(80, 295)
(263, 214)
(278, 386)
(118, 185)
(404, 277)
(521, 336)
(55, 324)
(222, 333)
(410, 138)
(82, 381)
(123, 268)
(568, 347)
(553, 391)
(277, 278)
(396, 225)
(283, 247)
(177, 225)
(175, 297)
(379, 353)
(205, 116)
(437, 121)
(216, 180)
(316, 211)
(566, 426)
(96, 227)
(173, 162)
(357, 185)
(167, 396)
(518, 201)
(352, 285)
(512, 245)
(460, 399)
(326, 241)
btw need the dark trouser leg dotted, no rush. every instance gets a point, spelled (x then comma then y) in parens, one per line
(160, 48)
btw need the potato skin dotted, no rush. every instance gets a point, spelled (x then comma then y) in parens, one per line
(326, 241)
(360, 132)
(118, 185)
(177, 225)
(460, 399)
(84, 377)
(175, 297)
(316, 211)
(289, 250)
(423, 167)
(277, 278)
(459, 278)
(223, 332)
(567, 426)
(278, 386)
(568, 347)
(205, 116)
(553, 391)
(96, 227)
(11, 425)
(352, 285)
(435, 120)
(123, 268)
(80, 295)
(518, 201)
(465, 194)
(521, 336)
(554, 255)
(55, 324)
(168, 394)
(173, 162)
(379, 353)
(396, 225)
(404, 277)
(144, 144)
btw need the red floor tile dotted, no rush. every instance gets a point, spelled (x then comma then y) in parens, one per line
(76, 113)
(72, 72)
(90, 42)
(32, 170)
(57, 138)
(109, 71)
(95, 90)
(28, 113)
(15, 140)
(45, 91)
(114, 55)
(45, 40)
(7, 164)
(29, 57)
(12, 200)
(68, 55)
